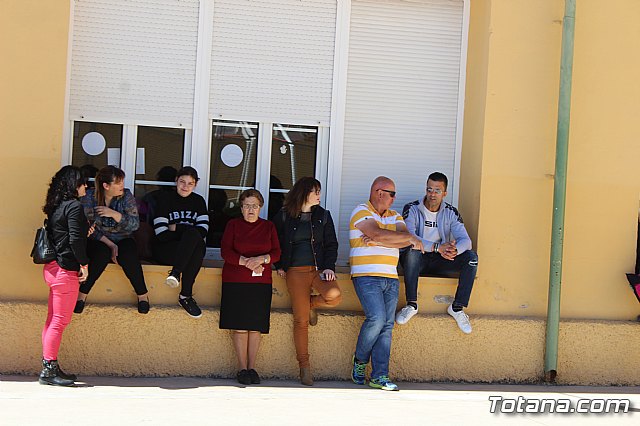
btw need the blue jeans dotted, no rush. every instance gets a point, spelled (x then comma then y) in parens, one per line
(379, 298)
(415, 263)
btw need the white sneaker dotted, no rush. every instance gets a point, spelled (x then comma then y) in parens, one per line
(405, 314)
(461, 318)
(172, 280)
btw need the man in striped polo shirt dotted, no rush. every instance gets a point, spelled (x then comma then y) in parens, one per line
(375, 234)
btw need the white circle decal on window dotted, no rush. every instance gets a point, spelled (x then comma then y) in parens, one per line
(232, 155)
(93, 143)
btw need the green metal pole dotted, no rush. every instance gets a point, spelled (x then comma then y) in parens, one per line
(559, 192)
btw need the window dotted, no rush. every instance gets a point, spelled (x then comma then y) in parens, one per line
(234, 152)
(293, 155)
(270, 157)
(95, 145)
(149, 156)
(159, 156)
(256, 122)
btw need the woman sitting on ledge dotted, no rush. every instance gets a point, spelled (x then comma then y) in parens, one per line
(181, 226)
(112, 209)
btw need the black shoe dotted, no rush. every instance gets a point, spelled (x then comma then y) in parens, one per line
(79, 307)
(143, 306)
(244, 377)
(253, 375)
(62, 373)
(50, 375)
(189, 304)
(66, 376)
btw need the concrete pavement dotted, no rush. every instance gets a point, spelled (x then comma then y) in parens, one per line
(188, 400)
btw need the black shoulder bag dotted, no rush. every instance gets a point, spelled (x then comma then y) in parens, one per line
(43, 250)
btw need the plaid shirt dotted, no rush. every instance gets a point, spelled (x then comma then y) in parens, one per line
(106, 226)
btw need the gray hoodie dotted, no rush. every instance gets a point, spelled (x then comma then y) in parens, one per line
(450, 225)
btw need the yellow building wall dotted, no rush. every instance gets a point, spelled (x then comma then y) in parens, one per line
(506, 199)
(518, 153)
(604, 153)
(33, 60)
(474, 114)
(517, 158)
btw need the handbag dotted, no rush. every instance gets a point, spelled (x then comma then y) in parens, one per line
(43, 250)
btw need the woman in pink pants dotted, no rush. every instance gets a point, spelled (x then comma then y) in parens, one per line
(68, 229)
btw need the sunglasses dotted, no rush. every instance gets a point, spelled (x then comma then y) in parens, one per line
(391, 193)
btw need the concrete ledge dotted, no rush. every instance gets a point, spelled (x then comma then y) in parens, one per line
(116, 340)
(599, 352)
(114, 288)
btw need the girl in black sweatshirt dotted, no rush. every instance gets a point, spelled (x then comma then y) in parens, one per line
(181, 226)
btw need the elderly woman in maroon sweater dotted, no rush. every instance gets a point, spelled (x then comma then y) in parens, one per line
(249, 247)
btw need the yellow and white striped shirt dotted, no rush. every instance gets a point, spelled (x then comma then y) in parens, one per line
(372, 260)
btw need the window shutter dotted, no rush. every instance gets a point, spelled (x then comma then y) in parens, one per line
(402, 99)
(272, 60)
(134, 60)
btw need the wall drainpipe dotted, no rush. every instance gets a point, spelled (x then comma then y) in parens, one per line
(559, 192)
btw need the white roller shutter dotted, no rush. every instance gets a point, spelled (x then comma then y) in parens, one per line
(272, 60)
(402, 99)
(134, 60)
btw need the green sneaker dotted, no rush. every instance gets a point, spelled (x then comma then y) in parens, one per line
(383, 383)
(357, 371)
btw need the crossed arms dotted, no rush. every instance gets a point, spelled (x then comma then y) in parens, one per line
(374, 235)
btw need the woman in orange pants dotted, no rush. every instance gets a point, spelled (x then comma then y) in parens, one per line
(309, 251)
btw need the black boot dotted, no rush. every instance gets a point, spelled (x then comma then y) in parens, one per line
(50, 374)
(62, 373)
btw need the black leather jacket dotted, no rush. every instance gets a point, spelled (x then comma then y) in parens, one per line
(68, 227)
(325, 243)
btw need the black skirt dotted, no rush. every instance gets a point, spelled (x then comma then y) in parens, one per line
(245, 306)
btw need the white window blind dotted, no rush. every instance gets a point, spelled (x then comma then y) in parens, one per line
(272, 60)
(134, 60)
(402, 99)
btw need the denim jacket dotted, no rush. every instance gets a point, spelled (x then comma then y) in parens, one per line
(106, 226)
(450, 225)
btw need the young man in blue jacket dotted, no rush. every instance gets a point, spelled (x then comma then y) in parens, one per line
(447, 250)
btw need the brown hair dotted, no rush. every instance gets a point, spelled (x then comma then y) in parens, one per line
(298, 195)
(188, 171)
(108, 175)
(251, 193)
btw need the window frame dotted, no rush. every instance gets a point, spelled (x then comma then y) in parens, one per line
(198, 137)
(129, 148)
(263, 164)
(263, 160)
(229, 123)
